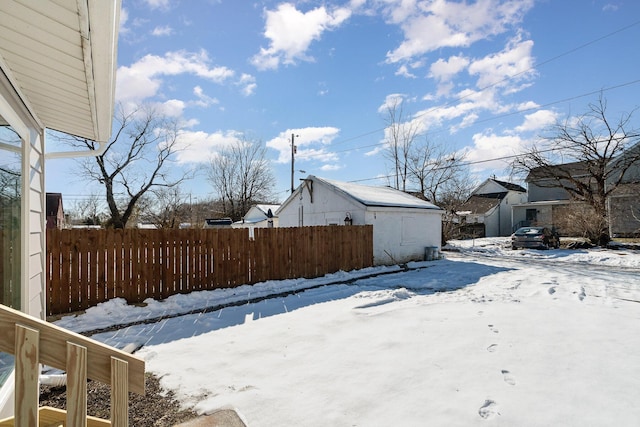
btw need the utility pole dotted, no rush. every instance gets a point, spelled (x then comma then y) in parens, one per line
(293, 155)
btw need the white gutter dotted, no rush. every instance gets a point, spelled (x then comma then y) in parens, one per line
(75, 154)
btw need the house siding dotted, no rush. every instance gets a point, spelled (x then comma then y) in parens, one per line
(496, 217)
(34, 298)
(538, 193)
(624, 210)
(329, 207)
(401, 235)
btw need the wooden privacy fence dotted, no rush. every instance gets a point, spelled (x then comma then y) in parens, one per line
(86, 267)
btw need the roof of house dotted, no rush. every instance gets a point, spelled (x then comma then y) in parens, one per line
(377, 196)
(510, 186)
(482, 203)
(53, 203)
(217, 222)
(265, 208)
(60, 57)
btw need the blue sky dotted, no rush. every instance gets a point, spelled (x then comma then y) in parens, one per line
(482, 77)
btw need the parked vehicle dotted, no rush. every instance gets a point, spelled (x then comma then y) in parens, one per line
(535, 237)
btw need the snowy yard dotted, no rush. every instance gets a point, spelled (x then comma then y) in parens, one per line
(485, 336)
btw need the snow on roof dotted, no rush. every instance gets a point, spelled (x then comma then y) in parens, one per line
(378, 196)
(265, 208)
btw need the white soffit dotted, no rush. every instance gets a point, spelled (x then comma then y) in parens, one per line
(61, 59)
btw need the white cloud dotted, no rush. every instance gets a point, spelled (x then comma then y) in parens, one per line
(392, 100)
(162, 31)
(511, 65)
(199, 147)
(143, 78)
(157, 4)
(432, 25)
(124, 17)
(489, 146)
(291, 32)
(537, 121)
(404, 71)
(311, 144)
(248, 84)
(444, 70)
(331, 168)
(203, 99)
(172, 108)
(465, 110)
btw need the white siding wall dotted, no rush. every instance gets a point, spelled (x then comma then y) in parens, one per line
(492, 222)
(328, 207)
(401, 235)
(506, 224)
(33, 299)
(488, 187)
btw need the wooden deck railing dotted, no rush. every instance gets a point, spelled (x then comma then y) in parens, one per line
(34, 342)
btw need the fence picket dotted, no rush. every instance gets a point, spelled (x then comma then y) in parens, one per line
(86, 267)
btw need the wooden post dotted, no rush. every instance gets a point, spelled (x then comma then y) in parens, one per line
(27, 353)
(76, 385)
(119, 392)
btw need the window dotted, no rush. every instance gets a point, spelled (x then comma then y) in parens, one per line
(10, 249)
(10, 189)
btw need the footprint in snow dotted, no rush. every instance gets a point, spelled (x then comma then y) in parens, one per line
(492, 348)
(508, 378)
(552, 290)
(489, 409)
(582, 295)
(492, 329)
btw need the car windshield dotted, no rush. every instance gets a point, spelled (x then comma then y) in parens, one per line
(528, 231)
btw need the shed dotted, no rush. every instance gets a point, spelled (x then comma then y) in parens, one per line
(403, 225)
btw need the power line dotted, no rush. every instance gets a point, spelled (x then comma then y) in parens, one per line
(457, 100)
(513, 113)
(494, 159)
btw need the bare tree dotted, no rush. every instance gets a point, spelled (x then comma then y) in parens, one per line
(88, 210)
(169, 208)
(451, 196)
(584, 156)
(431, 168)
(400, 135)
(135, 160)
(242, 176)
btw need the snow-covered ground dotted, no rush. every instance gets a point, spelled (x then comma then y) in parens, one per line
(485, 336)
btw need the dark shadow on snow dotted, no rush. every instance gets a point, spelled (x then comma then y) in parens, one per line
(423, 279)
